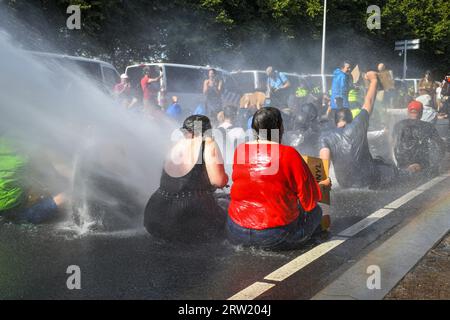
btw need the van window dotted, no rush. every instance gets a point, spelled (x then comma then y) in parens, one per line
(187, 80)
(91, 69)
(135, 75)
(111, 77)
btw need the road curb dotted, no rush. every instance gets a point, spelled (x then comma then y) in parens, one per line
(392, 259)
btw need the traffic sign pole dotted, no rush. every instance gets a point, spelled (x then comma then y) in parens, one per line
(404, 46)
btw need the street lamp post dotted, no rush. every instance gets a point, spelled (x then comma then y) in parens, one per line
(322, 63)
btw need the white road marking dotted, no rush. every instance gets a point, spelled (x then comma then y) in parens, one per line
(258, 288)
(302, 261)
(253, 291)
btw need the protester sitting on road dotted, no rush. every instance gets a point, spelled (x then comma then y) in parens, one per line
(417, 144)
(229, 136)
(304, 136)
(274, 197)
(16, 203)
(428, 114)
(184, 208)
(347, 147)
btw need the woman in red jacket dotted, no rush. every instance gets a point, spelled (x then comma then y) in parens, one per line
(274, 195)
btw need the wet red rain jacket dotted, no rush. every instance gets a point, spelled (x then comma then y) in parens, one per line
(270, 181)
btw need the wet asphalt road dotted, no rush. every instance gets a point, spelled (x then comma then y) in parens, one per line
(132, 265)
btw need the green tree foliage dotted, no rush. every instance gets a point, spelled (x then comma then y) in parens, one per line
(237, 33)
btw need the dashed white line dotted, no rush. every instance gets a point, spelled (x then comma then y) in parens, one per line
(253, 291)
(302, 261)
(258, 288)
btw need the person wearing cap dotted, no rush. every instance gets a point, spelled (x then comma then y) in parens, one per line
(122, 92)
(417, 144)
(347, 147)
(277, 88)
(184, 209)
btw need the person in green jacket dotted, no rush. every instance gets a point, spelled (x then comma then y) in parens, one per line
(14, 188)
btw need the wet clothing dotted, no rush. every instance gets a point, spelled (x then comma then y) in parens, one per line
(417, 141)
(350, 154)
(184, 209)
(12, 176)
(13, 190)
(290, 236)
(304, 141)
(340, 88)
(42, 211)
(271, 186)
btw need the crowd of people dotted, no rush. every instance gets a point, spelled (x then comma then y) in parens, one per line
(257, 149)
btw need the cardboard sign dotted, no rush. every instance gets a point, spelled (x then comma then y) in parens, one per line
(356, 74)
(320, 170)
(386, 80)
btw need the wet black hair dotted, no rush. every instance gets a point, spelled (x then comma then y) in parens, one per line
(145, 71)
(343, 114)
(196, 124)
(268, 119)
(307, 116)
(344, 63)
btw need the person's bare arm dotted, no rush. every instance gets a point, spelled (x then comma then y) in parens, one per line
(214, 164)
(369, 100)
(220, 87)
(150, 80)
(286, 85)
(205, 86)
(325, 154)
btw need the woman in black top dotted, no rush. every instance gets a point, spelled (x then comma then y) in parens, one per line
(212, 89)
(184, 208)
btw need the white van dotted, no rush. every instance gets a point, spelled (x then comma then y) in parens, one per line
(256, 80)
(183, 81)
(250, 81)
(101, 72)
